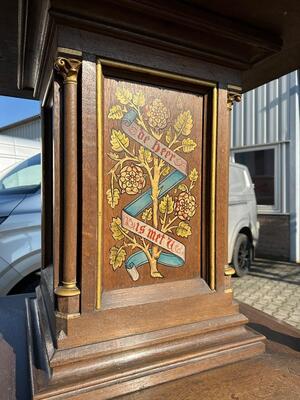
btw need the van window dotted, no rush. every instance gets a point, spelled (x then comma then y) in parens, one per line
(25, 178)
(261, 167)
(237, 184)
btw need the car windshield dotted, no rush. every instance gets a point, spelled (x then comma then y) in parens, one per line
(24, 178)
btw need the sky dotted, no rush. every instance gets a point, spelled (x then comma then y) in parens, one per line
(13, 109)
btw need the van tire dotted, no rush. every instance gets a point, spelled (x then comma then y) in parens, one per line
(242, 255)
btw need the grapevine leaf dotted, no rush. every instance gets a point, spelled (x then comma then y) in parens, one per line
(183, 187)
(193, 176)
(165, 171)
(139, 99)
(118, 140)
(188, 145)
(157, 135)
(115, 112)
(183, 229)
(184, 123)
(145, 155)
(147, 215)
(113, 197)
(168, 136)
(123, 95)
(117, 257)
(166, 205)
(116, 229)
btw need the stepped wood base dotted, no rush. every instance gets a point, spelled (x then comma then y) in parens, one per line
(108, 369)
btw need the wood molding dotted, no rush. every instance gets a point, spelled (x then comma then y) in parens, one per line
(116, 367)
(241, 45)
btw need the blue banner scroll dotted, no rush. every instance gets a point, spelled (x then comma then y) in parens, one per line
(143, 201)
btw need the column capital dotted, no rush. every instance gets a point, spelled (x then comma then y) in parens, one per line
(67, 68)
(234, 93)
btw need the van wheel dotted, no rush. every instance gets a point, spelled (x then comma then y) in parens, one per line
(242, 255)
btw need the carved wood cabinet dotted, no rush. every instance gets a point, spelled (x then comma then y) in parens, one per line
(135, 287)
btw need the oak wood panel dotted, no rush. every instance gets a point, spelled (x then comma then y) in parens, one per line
(206, 185)
(222, 179)
(176, 103)
(153, 357)
(152, 293)
(145, 339)
(123, 372)
(117, 369)
(120, 49)
(221, 41)
(116, 323)
(57, 184)
(276, 373)
(201, 364)
(88, 190)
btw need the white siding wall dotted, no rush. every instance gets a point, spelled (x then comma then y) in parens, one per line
(266, 115)
(269, 116)
(18, 143)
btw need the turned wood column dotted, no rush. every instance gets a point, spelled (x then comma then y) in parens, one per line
(68, 70)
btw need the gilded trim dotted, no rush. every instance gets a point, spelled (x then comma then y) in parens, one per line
(67, 290)
(155, 72)
(100, 180)
(68, 68)
(171, 76)
(234, 94)
(212, 261)
(228, 270)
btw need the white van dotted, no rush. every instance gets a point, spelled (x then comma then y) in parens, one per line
(243, 227)
(20, 218)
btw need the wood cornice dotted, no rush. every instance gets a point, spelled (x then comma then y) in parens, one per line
(207, 21)
(179, 27)
(22, 28)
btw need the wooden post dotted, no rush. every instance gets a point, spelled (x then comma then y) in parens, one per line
(68, 69)
(233, 95)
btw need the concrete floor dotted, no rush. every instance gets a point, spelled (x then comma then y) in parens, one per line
(272, 287)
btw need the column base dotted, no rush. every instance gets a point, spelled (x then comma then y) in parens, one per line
(66, 291)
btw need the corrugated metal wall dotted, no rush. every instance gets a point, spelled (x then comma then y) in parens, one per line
(18, 142)
(266, 115)
(29, 130)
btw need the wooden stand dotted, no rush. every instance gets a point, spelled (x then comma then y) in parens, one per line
(117, 366)
(122, 118)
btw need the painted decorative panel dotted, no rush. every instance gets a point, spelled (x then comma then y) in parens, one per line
(152, 141)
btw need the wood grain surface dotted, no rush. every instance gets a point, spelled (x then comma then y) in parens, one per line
(175, 102)
(272, 376)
